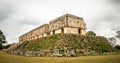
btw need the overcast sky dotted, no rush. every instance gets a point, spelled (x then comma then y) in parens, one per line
(20, 16)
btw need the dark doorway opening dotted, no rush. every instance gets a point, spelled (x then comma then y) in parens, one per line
(48, 33)
(79, 31)
(62, 30)
(53, 31)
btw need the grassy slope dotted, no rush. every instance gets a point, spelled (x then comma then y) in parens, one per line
(6, 58)
(74, 41)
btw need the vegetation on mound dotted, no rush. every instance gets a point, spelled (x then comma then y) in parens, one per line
(73, 44)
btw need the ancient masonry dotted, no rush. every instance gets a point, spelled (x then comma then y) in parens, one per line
(65, 24)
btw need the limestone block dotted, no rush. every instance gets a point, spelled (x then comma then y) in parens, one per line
(36, 37)
(40, 36)
(66, 30)
(75, 22)
(71, 30)
(51, 33)
(56, 24)
(45, 34)
(74, 30)
(58, 31)
(83, 32)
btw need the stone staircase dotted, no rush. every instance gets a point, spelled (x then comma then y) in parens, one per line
(16, 45)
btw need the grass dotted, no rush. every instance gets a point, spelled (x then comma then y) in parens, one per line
(98, 44)
(7, 58)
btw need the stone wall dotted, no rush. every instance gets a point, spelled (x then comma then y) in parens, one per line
(77, 22)
(71, 30)
(58, 31)
(36, 33)
(58, 23)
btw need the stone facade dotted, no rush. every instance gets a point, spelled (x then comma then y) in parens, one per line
(65, 24)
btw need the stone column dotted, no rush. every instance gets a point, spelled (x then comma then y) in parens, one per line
(83, 32)
(51, 33)
(45, 34)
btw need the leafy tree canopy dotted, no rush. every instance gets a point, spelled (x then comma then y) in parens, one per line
(118, 34)
(117, 46)
(90, 33)
(2, 39)
(112, 41)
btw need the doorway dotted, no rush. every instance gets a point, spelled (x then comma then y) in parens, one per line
(62, 30)
(79, 31)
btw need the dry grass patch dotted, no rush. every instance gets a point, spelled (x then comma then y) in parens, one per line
(7, 58)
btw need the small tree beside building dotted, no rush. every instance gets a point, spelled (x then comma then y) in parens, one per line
(90, 33)
(2, 39)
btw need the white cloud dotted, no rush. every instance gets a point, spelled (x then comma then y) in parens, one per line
(20, 16)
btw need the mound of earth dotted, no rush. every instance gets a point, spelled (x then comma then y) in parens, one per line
(65, 45)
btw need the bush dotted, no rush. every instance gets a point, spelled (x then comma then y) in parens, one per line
(90, 33)
(118, 47)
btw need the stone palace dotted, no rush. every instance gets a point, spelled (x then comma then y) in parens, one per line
(64, 24)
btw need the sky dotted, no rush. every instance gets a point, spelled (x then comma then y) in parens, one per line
(20, 16)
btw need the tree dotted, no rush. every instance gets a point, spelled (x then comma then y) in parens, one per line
(118, 34)
(90, 33)
(2, 39)
(6, 46)
(112, 41)
(117, 46)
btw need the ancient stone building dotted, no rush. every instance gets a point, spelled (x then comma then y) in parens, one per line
(64, 24)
